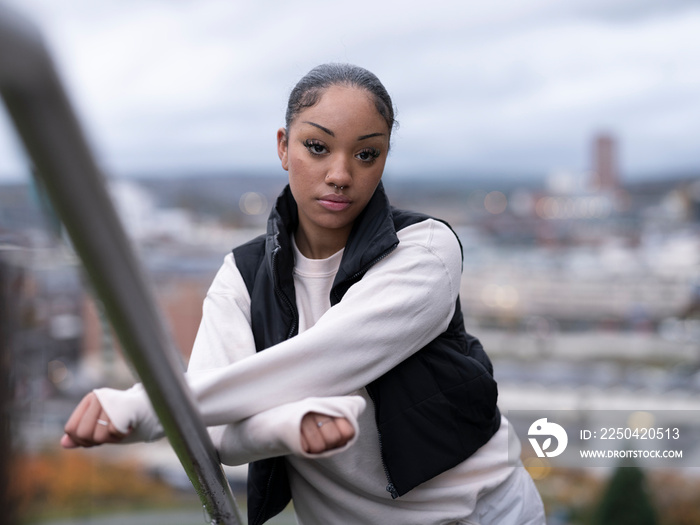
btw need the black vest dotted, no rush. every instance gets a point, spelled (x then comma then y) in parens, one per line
(433, 410)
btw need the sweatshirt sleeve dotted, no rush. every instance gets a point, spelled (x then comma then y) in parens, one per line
(276, 432)
(402, 303)
(224, 334)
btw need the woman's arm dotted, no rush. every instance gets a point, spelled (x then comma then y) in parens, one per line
(400, 305)
(224, 336)
(314, 428)
(327, 426)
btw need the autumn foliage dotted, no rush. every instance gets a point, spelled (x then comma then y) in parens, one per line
(79, 483)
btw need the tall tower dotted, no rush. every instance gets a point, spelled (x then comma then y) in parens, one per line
(605, 175)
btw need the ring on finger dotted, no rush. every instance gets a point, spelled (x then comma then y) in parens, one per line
(321, 423)
(103, 422)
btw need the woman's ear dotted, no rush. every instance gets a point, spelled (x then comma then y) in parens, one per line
(283, 148)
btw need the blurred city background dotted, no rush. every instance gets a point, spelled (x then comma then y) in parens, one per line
(559, 142)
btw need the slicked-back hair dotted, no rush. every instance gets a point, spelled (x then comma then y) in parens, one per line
(310, 88)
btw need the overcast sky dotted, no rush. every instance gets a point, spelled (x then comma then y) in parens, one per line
(507, 87)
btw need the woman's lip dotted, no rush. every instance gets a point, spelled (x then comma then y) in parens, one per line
(334, 202)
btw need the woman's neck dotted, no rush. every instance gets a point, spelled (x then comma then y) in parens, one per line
(321, 245)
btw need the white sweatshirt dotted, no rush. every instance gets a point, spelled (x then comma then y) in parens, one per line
(258, 399)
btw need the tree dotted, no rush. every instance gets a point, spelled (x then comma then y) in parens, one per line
(626, 500)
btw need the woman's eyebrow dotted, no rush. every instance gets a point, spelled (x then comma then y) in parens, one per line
(321, 128)
(363, 137)
(326, 130)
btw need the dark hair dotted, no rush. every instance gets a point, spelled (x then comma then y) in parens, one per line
(309, 89)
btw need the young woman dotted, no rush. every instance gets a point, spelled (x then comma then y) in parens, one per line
(332, 354)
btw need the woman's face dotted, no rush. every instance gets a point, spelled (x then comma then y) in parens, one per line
(335, 155)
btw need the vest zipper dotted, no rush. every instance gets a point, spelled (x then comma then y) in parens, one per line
(286, 300)
(258, 518)
(292, 329)
(390, 488)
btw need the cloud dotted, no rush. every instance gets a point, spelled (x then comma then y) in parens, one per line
(492, 86)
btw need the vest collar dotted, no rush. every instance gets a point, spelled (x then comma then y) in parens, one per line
(372, 237)
(279, 255)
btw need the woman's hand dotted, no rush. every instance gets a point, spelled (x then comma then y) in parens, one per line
(89, 426)
(320, 432)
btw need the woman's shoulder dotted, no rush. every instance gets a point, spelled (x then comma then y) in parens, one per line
(413, 219)
(228, 279)
(431, 240)
(424, 229)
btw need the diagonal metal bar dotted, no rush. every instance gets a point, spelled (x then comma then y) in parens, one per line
(53, 139)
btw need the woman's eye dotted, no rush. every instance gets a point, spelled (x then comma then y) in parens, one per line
(368, 155)
(315, 148)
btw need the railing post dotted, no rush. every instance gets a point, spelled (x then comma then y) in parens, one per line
(52, 136)
(11, 277)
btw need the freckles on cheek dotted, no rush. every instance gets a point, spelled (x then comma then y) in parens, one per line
(297, 164)
(304, 173)
(299, 178)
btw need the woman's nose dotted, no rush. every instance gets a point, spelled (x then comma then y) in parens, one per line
(339, 172)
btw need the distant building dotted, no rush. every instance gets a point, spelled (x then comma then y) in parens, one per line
(180, 301)
(605, 172)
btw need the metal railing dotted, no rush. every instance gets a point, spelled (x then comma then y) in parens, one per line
(52, 136)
